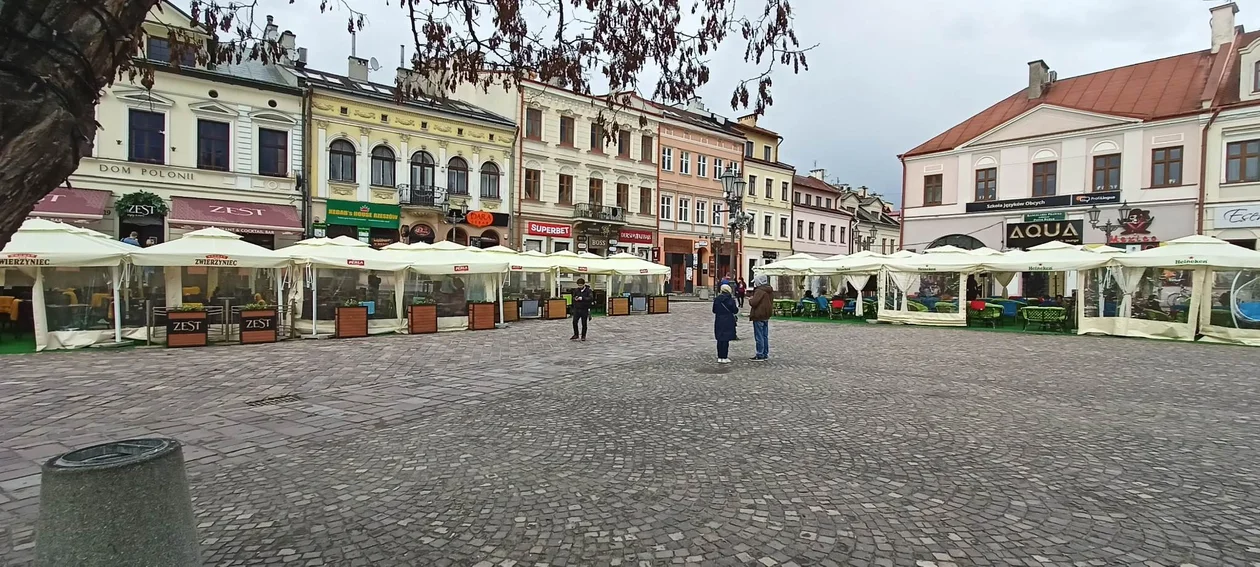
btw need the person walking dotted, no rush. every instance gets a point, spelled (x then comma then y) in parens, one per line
(582, 299)
(741, 290)
(760, 307)
(724, 312)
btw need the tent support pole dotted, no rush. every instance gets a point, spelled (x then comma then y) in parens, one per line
(314, 301)
(116, 273)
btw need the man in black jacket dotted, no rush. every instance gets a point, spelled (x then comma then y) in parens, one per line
(582, 299)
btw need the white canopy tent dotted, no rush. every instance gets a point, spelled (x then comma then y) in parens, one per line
(340, 254)
(636, 279)
(1168, 292)
(51, 253)
(854, 269)
(448, 264)
(939, 274)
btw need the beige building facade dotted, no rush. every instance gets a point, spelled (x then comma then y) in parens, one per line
(768, 196)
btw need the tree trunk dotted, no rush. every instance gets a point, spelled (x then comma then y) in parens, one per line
(56, 57)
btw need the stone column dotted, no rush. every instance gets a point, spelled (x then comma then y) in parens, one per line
(364, 166)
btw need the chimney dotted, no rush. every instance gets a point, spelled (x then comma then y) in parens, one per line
(696, 105)
(288, 42)
(358, 68)
(1038, 79)
(301, 57)
(863, 190)
(820, 174)
(271, 32)
(1222, 25)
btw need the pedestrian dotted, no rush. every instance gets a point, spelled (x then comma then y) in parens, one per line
(582, 299)
(132, 239)
(724, 313)
(760, 307)
(741, 290)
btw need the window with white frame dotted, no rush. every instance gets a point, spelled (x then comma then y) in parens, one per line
(717, 216)
(783, 227)
(667, 159)
(684, 209)
(767, 223)
(717, 168)
(684, 163)
(702, 166)
(752, 226)
(667, 207)
(701, 211)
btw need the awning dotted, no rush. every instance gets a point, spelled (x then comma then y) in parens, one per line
(234, 216)
(70, 204)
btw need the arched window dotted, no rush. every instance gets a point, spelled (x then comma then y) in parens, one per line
(458, 236)
(489, 239)
(382, 166)
(489, 181)
(959, 241)
(422, 170)
(457, 177)
(341, 161)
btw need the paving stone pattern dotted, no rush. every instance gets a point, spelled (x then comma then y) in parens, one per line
(854, 445)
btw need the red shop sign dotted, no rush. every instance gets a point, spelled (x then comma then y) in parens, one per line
(548, 229)
(636, 236)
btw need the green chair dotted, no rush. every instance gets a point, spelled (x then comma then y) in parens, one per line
(991, 315)
(1045, 317)
(1222, 318)
(916, 306)
(944, 307)
(809, 309)
(1155, 315)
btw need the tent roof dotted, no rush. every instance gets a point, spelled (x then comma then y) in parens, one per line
(341, 252)
(795, 265)
(1193, 251)
(209, 247)
(630, 265)
(44, 243)
(943, 259)
(1049, 257)
(568, 261)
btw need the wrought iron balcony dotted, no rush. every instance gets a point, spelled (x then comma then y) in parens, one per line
(421, 196)
(599, 212)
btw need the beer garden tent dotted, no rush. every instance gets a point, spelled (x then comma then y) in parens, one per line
(344, 260)
(1169, 292)
(83, 270)
(446, 262)
(795, 265)
(531, 278)
(211, 249)
(914, 285)
(854, 269)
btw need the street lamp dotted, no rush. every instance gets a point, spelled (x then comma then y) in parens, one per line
(733, 186)
(864, 242)
(1108, 227)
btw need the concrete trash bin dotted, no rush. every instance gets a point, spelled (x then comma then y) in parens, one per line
(118, 504)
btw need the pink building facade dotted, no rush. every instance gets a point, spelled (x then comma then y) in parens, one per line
(820, 226)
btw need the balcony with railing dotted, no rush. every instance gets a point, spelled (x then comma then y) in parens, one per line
(599, 212)
(427, 196)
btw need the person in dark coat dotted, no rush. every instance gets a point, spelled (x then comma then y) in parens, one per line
(724, 311)
(582, 300)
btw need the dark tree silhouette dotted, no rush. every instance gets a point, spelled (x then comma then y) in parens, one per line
(58, 56)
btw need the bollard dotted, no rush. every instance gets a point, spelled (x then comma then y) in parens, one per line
(117, 504)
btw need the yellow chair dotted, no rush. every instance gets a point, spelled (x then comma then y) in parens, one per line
(6, 304)
(99, 299)
(192, 290)
(71, 297)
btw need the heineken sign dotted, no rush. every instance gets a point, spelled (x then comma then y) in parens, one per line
(1028, 234)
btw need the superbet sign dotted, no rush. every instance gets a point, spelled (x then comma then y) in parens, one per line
(548, 229)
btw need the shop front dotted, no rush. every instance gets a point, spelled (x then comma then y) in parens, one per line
(547, 237)
(143, 214)
(267, 225)
(81, 207)
(1237, 223)
(480, 229)
(374, 223)
(597, 238)
(682, 255)
(635, 241)
(1034, 229)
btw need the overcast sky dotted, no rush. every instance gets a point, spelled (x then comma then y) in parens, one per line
(886, 76)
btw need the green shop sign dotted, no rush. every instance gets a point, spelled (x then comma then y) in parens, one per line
(367, 215)
(1044, 217)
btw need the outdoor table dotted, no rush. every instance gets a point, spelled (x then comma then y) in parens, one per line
(1047, 317)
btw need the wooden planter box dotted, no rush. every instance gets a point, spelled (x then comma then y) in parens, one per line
(186, 329)
(259, 326)
(481, 316)
(618, 306)
(658, 304)
(556, 309)
(352, 322)
(422, 319)
(511, 311)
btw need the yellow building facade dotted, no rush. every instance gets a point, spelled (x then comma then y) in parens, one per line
(767, 197)
(417, 171)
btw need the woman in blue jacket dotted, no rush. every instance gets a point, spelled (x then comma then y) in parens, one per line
(724, 311)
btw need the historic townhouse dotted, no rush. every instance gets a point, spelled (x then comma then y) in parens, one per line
(697, 149)
(822, 225)
(1231, 207)
(874, 228)
(423, 170)
(768, 196)
(213, 146)
(1030, 168)
(583, 185)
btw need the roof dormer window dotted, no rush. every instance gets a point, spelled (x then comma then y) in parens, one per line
(159, 49)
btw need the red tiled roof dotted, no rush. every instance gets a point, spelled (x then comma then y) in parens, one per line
(1162, 88)
(1232, 84)
(813, 183)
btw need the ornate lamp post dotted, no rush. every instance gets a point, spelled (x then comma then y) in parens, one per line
(1108, 227)
(864, 242)
(733, 185)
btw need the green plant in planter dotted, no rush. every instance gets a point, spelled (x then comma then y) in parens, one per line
(423, 301)
(350, 303)
(186, 308)
(260, 306)
(514, 296)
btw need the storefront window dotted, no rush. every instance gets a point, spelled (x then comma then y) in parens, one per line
(78, 299)
(336, 288)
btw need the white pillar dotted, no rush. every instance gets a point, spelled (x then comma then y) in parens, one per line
(321, 182)
(402, 174)
(474, 182)
(365, 166)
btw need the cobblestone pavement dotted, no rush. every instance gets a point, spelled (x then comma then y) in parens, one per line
(856, 445)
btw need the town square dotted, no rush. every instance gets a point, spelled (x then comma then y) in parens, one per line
(536, 283)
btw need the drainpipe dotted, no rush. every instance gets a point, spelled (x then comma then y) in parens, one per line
(520, 173)
(901, 227)
(1201, 207)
